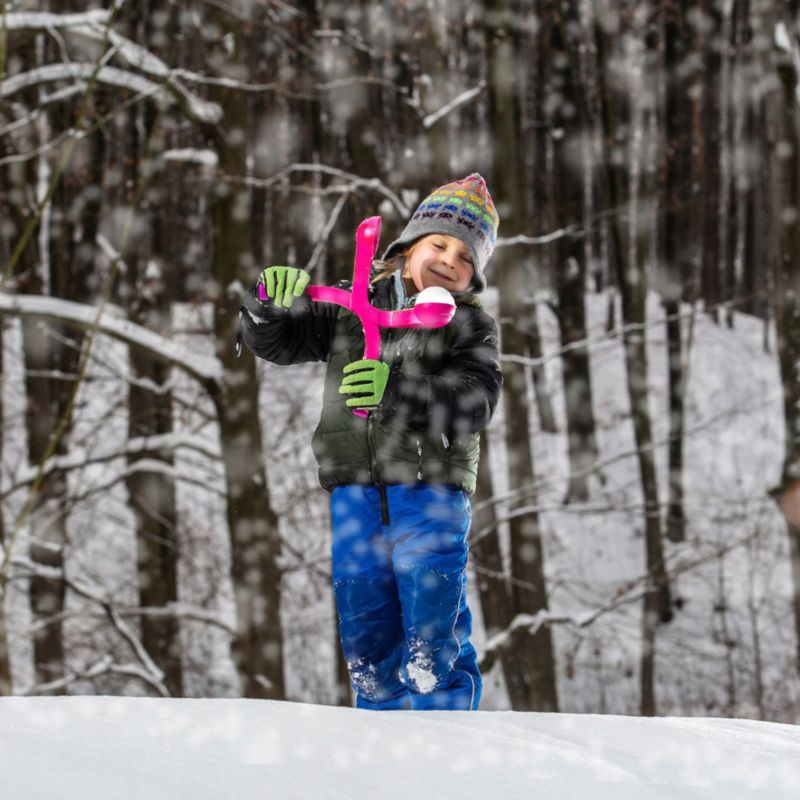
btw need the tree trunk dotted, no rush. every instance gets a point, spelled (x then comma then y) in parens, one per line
(566, 200)
(344, 694)
(148, 290)
(541, 388)
(8, 237)
(726, 202)
(44, 352)
(745, 265)
(152, 493)
(5, 659)
(257, 648)
(536, 681)
(622, 123)
(712, 65)
(783, 143)
(679, 202)
(491, 578)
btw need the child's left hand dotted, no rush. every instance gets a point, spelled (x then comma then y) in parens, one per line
(367, 377)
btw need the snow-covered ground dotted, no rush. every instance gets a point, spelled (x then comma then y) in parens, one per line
(130, 748)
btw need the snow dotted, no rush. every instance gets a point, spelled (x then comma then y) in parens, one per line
(113, 323)
(200, 109)
(42, 20)
(207, 158)
(124, 748)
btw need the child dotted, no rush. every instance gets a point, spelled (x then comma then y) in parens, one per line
(400, 479)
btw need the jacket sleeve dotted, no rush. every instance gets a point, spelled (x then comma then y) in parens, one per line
(462, 397)
(292, 335)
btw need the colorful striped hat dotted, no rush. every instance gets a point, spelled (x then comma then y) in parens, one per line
(463, 209)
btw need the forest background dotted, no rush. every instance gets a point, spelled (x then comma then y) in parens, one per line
(636, 531)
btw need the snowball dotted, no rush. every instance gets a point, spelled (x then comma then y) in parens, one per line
(435, 294)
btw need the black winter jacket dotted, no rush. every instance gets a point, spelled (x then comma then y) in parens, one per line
(443, 387)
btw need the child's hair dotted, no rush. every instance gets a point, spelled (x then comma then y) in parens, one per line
(385, 269)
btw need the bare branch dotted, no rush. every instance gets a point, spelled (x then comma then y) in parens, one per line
(102, 667)
(78, 459)
(326, 232)
(354, 182)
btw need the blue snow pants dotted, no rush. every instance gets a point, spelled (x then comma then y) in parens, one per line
(400, 593)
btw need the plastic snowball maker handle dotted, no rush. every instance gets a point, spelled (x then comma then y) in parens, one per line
(434, 307)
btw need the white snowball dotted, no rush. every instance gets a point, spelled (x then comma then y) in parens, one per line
(435, 294)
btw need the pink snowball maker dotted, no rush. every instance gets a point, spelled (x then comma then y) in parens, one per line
(434, 307)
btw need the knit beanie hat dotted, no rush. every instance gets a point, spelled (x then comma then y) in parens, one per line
(463, 209)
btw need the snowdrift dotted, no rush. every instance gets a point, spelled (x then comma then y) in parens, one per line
(80, 748)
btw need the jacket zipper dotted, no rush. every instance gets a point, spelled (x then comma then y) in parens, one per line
(373, 470)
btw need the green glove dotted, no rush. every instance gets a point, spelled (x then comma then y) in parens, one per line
(367, 377)
(283, 284)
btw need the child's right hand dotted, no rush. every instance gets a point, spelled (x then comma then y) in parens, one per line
(283, 284)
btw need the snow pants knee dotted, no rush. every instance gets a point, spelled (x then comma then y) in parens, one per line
(400, 591)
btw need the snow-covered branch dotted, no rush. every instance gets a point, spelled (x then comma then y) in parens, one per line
(101, 667)
(151, 466)
(353, 182)
(545, 238)
(531, 490)
(35, 20)
(326, 232)
(151, 672)
(464, 97)
(205, 369)
(789, 44)
(208, 158)
(77, 458)
(197, 108)
(630, 592)
(28, 568)
(42, 104)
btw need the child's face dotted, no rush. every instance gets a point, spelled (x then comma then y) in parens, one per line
(439, 260)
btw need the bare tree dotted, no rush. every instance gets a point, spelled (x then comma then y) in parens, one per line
(560, 39)
(149, 291)
(534, 685)
(492, 579)
(783, 142)
(46, 355)
(5, 660)
(622, 127)
(257, 648)
(679, 200)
